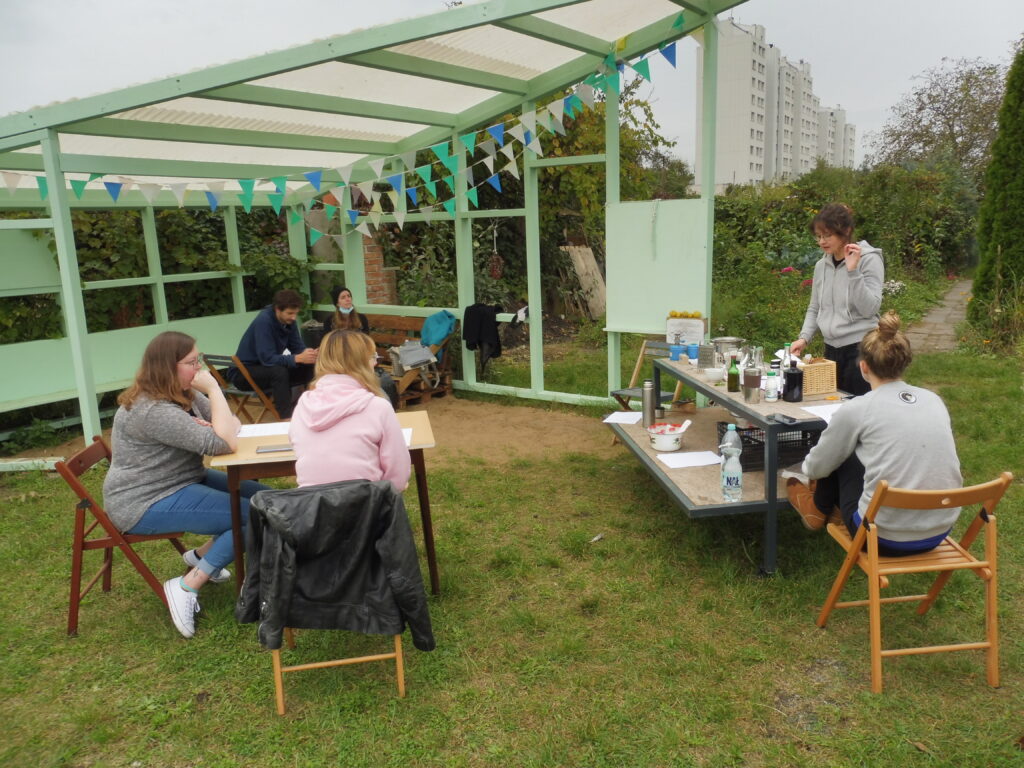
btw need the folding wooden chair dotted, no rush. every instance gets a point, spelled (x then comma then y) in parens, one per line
(949, 556)
(243, 400)
(647, 349)
(71, 470)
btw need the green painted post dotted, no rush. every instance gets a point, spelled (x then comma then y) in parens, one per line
(611, 172)
(534, 291)
(297, 246)
(464, 267)
(353, 256)
(70, 282)
(709, 118)
(234, 257)
(156, 272)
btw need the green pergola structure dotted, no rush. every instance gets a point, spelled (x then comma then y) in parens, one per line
(332, 114)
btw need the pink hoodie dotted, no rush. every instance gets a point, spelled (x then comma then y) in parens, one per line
(340, 431)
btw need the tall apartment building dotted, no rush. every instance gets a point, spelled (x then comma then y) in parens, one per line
(771, 125)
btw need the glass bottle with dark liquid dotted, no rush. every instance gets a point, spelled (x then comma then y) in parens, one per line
(794, 387)
(733, 380)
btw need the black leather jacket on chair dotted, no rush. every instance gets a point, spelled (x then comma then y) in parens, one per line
(333, 556)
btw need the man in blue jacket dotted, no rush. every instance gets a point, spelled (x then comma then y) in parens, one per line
(274, 353)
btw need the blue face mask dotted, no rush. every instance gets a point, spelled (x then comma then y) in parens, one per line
(346, 311)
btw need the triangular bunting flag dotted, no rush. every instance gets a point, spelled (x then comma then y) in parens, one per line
(279, 183)
(469, 141)
(509, 151)
(471, 195)
(314, 178)
(179, 193)
(149, 191)
(678, 23)
(294, 216)
(488, 146)
(352, 216)
(559, 129)
(396, 181)
(428, 213)
(512, 168)
(528, 137)
(411, 192)
(609, 62)
(78, 187)
(409, 160)
(11, 180)
(517, 131)
(575, 104)
(489, 162)
(246, 202)
(276, 201)
(423, 172)
(669, 52)
(451, 163)
(612, 81)
(377, 166)
(400, 217)
(217, 187)
(114, 190)
(345, 172)
(494, 181)
(374, 216)
(529, 121)
(94, 176)
(535, 147)
(441, 150)
(498, 132)
(126, 183)
(363, 229)
(450, 181)
(247, 186)
(643, 68)
(330, 210)
(366, 190)
(556, 108)
(449, 205)
(339, 240)
(314, 235)
(431, 188)
(393, 197)
(599, 82)
(211, 199)
(586, 94)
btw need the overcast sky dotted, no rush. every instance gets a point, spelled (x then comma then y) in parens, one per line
(863, 54)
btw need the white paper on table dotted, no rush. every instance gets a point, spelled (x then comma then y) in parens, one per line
(264, 430)
(407, 434)
(689, 459)
(624, 417)
(823, 412)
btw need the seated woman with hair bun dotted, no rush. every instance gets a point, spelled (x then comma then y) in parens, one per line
(896, 432)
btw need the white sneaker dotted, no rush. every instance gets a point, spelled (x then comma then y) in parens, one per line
(217, 577)
(183, 605)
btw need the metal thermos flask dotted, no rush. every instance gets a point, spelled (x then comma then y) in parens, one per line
(649, 402)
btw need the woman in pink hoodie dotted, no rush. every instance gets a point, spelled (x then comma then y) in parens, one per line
(344, 428)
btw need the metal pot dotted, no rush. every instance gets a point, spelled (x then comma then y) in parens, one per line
(724, 345)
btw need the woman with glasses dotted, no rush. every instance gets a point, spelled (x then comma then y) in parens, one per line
(343, 427)
(846, 294)
(172, 416)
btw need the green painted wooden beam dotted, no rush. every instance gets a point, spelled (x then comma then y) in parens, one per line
(694, 7)
(548, 162)
(143, 129)
(26, 223)
(551, 32)
(435, 70)
(21, 140)
(335, 105)
(317, 52)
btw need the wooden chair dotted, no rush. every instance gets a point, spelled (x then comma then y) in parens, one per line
(648, 349)
(71, 470)
(949, 556)
(243, 400)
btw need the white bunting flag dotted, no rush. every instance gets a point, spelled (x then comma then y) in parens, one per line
(11, 180)
(345, 171)
(489, 162)
(529, 120)
(586, 93)
(363, 229)
(509, 151)
(339, 195)
(409, 160)
(517, 131)
(512, 168)
(377, 166)
(557, 109)
(428, 213)
(400, 217)
(557, 126)
(179, 193)
(393, 197)
(488, 146)
(217, 187)
(149, 191)
(535, 147)
(339, 240)
(366, 189)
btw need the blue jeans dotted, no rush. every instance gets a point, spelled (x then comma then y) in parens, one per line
(201, 508)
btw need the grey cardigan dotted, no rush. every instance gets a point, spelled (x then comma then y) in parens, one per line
(157, 450)
(844, 304)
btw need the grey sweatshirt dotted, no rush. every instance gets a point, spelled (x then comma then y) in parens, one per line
(901, 434)
(157, 449)
(844, 304)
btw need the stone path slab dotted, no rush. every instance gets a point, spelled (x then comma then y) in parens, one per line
(936, 331)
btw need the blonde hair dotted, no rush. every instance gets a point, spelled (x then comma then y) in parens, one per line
(157, 377)
(348, 352)
(885, 349)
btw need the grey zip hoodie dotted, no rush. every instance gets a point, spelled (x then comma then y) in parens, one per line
(844, 304)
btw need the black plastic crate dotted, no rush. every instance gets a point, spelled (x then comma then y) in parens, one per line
(793, 445)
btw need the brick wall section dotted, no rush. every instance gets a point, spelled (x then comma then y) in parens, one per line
(380, 280)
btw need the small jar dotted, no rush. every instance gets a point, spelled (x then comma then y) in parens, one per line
(771, 387)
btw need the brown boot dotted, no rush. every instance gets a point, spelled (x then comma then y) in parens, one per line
(835, 517)
(802, 499)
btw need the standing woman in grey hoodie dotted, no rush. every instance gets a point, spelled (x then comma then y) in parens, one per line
(846, 294)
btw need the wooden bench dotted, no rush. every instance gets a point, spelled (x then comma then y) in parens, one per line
(392, 331)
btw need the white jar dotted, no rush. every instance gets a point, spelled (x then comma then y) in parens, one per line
(771, 388)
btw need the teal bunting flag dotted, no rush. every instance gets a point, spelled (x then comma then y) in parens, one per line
(451, 163)
(411, 192)
(43, 189)
(314, 235)
(450, 181)
(424, 172)
(469, 140)
(612, 81)
(352, 216)
(494, 181)
(449, 205)
(395, 181)
(78, 187)
(114, 189)
(669, 52)
(471, 195)
(246, 201)
(293, 215)
(247, 186)
(330, 210)
(577, 104)
(314, 177)
(211, 199)
(94, 176)
(276, 201)
(593, 80)
(678, 23)
(498, 132)
(441, 150)
(431, 188)
(278, 182)
(609, 60)
(643, 68)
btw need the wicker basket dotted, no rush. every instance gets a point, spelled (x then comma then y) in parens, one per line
(819, 377)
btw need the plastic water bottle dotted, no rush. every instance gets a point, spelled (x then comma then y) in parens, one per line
(732, 474)
(730, 438)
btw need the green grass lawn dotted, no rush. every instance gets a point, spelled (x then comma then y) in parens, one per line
(655, 645)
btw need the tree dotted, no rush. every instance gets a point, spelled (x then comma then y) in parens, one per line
(997, 308)
(951, 117)
(669, 177)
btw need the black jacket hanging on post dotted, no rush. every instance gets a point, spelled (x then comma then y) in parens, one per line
(333, 556)
(480, 329)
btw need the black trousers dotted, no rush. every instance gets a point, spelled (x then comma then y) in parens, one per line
(277, 381)
(848, 376)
